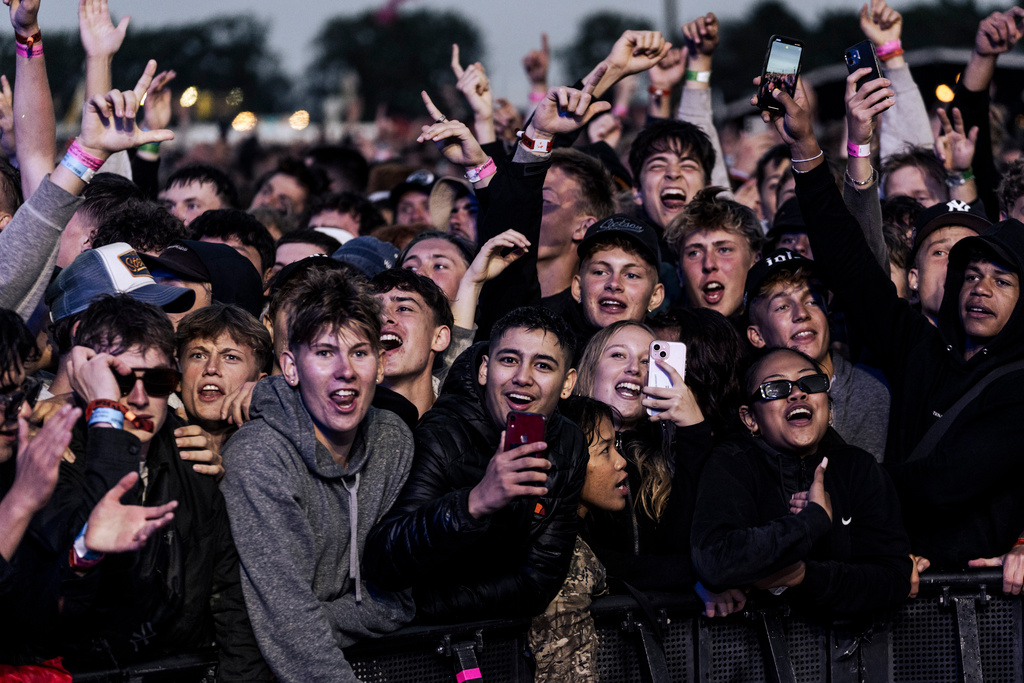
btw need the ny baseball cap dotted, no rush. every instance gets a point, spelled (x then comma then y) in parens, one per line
(639, 232)
(112, 269)
(944, 214)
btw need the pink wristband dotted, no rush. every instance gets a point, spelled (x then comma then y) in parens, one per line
(484, 170)
(536, 97)
(89, 160)
(859, 151)
(890, 46)
(28, 52)
(620, 111)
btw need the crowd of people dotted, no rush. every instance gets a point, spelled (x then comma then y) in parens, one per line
(283, 429)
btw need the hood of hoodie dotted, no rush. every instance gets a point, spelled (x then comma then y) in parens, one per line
(1005, 242)
(281, 407)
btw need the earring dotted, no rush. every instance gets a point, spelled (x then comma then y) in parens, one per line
(756, 432)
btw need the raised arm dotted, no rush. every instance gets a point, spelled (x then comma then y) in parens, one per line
(472, 82)
(34, 124)
(101, 40)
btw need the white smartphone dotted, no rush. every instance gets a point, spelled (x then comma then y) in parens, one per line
(670, 353)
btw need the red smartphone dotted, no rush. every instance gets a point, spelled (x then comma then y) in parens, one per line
(522, 428)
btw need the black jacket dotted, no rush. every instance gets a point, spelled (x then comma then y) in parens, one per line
(181, 591)
(965, 499)
(743, 530)
(510, 564)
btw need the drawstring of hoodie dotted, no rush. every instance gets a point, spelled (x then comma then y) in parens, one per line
(353, 545)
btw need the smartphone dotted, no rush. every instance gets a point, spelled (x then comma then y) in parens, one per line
(670, 353)
(522, 428)
(860, 56)
(781, 68)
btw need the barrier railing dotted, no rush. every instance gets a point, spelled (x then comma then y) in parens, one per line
(960, 628)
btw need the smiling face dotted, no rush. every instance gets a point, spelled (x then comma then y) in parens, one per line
(668, 180)
(607, 485)
(409, 335)
(928, 276)
(988, 297)
(793, 425)
(614, 284)
(714, 264)
(211, 369)
(337, 374)
(621, 373)
(525, 370)
(790, 315)
(439, 260)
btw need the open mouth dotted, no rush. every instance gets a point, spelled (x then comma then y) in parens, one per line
(978, 311)
(628, 390)
(673, 199)
(611, 305)
(210, 392)
(799, 415)
(713, 292)
(344, 398)
(623, 486)
(390, 341)
(804, 336)
(519, 399)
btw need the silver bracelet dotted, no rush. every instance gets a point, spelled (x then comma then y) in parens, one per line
(862, 183)
(816, 156)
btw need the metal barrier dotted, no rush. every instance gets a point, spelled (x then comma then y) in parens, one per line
(960, 628)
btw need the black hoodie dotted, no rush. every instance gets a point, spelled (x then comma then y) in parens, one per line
(965, 499)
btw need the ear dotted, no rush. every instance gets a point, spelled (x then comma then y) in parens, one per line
(581, 228)
(442, 339)
(74, 330)
(5, 218)
(755, 338)
(748, 419)
(481, 375)
(576, 289)
(289, 369)
(568, 383)
(262, 375)
(380, 365)
(638, 196)
(912, 279)
(657, 296)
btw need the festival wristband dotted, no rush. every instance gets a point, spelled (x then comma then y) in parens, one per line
(620, 111)
(888, 48)
(81, 557)
(540, 146)
(481, 172)
(142, 423)
(658, 92)
(29, 51)
(536, 96)
(859, 151)
(114, 418)
(698, 76)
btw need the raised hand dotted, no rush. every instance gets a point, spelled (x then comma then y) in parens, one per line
(536, 63)
(565, 109)
(495, 256)
(118, 528)
(954, 148)
(108, 121)
(880, 23)
(7, 141)
(39, 458)
(509, 475)
(100, 37)
(676, 403)
(452, 138)
(702, 39)
(605, 128)
(999, 32)
(636, 51)
(91, 374)
(24, 16)
(667, 73)
(795, 125)
(157, 102)
(865, 104)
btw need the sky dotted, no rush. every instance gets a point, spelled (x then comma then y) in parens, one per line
(510, 29)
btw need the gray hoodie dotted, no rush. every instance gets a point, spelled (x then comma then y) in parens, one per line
(300, 523)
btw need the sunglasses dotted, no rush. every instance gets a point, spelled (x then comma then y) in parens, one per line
(11, 402)
(158, 382)
(782, 388)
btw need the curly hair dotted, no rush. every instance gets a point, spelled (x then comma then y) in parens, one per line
(706, 211)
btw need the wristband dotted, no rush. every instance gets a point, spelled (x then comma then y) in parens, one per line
(859, 151)
(481, 172)
(541, 146)
(620, 111)
(31, 40)
(89, 160)
(698, 76)
(1020, 541)
(658, 92)
(142, 423)
(80, 557)
(888, 47)
(536, 97)
(151, 147)
(804, 161)
(114, 418)
(29, 51)
(895, 53)
(958, 178)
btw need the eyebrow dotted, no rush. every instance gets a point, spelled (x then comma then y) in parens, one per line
(406, 299)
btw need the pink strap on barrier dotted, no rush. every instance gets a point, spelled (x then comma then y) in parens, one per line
(468, 675)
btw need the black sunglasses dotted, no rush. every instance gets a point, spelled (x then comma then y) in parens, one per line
(158, 382)
(11, 402)
(782, 388)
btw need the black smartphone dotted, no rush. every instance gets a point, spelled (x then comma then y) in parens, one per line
(781, 68)
(860, 56)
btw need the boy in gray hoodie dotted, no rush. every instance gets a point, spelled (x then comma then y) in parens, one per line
(307, 477)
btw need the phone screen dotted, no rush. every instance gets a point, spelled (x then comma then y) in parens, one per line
(780, 71)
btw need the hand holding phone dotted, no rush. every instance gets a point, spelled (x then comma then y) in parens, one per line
(782, 65)
(670, 353)
(861, 56)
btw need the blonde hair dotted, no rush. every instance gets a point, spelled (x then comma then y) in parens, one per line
(587, 367)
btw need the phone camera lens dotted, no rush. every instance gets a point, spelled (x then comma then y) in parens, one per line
(663, 354)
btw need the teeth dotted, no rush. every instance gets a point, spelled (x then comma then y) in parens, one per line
(805, 333)
(210, 387)
(631, 387)
(390, 341)
(674, 194)
(799, 414)
(344, 393)
(523, 398)
(713, 286)
(611, 302)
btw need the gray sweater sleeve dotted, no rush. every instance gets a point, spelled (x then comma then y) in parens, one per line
(867, 209)
(695, 108)
(29, 244)
(906, 123)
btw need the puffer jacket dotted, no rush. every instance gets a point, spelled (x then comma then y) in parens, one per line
(507, 565)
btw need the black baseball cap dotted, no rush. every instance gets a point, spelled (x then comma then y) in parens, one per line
(232, 277)
(944, 214)
(639, 232)
(779, 260)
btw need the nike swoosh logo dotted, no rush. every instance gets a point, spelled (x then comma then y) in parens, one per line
(847, 520)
